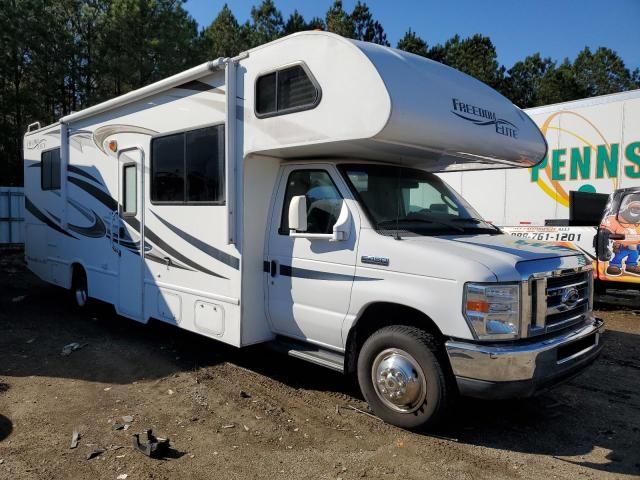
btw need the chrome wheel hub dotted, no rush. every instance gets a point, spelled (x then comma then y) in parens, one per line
(81, 297)
(398, 380)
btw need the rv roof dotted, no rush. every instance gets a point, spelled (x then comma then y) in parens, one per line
(377, 103)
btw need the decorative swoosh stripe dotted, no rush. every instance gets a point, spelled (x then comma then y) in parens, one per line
(171, 251)
(477, 121)
(156, 259)
(82, 173)
(31, 208)
(100, 134)
(213, 252)
(112, 204)
(95, 192)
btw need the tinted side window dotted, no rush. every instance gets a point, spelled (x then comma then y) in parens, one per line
(167, 168)
(205, 165)
(188, 167)
(284, 91)
(50, 170)
(266, 94)
(323, 200)
(295, 89)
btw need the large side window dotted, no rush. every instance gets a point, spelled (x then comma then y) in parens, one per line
(284, 91)
(323, 200)
(188, 167)
(50, 170)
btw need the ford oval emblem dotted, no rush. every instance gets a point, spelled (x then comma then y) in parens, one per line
(570, 297)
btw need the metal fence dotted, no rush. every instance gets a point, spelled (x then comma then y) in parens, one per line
(11, 215)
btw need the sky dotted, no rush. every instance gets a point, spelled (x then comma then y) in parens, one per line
(557, 29)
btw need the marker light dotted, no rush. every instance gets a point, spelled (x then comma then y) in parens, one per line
(113, 145)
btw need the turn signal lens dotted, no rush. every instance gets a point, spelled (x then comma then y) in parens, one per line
(478, 306)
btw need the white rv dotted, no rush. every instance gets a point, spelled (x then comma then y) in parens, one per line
(285, 196)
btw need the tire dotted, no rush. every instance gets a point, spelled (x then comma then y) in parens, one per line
(407, 362)
(80, 288)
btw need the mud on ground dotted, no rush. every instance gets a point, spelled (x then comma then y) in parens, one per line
(257, 414)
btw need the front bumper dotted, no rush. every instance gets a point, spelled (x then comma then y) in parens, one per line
(521, 369)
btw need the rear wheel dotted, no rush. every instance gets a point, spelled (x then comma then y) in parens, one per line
(79, 288)
(401, 376)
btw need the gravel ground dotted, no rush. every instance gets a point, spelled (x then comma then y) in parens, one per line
(256, 414)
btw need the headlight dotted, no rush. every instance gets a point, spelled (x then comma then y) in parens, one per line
(492, 309)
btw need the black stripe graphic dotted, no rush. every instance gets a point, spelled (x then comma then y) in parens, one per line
(82, 173)
(133, 223)
(213, 252)
(289, 271)
(31, 208)
(95, 192)
(161, 244)
(155, 258)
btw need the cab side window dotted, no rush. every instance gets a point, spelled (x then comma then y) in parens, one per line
(323, 200)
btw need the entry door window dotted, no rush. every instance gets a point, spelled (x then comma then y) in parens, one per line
(130, 190)
(324, 201)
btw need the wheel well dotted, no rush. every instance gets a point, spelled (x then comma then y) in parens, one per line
(377, 316)
(77, 270)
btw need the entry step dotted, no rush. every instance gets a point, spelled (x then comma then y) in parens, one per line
(310, 353)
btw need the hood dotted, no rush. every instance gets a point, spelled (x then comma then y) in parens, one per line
(507, 257)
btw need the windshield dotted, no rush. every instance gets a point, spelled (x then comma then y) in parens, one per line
(406, 200)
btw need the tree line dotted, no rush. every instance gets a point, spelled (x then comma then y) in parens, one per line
(60, 56)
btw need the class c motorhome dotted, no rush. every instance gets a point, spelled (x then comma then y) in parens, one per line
(285, 196)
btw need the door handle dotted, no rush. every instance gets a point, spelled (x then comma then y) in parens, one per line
(274, 268)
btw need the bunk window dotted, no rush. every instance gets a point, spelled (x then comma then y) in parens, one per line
(50, 170)
(188, 167)
(285, 91)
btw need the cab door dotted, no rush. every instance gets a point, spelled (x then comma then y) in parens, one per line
(309, 280)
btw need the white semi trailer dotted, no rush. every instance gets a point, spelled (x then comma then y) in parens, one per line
(587, 186)
(285, 196)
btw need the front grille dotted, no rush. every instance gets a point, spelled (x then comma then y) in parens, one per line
(559, 302)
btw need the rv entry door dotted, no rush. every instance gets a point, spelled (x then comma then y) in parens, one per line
(127, 232)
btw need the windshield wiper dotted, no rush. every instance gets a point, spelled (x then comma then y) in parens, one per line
(419, 220)
(476, 221)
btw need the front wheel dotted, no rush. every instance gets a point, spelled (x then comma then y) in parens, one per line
(402, 378)
(80, 289)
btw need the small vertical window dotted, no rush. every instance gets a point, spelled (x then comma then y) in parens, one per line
(50, 170)
(285, 91)
(324, 201)
(130, 190)
(188, 167)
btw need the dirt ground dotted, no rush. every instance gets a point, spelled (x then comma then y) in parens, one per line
(257, 414)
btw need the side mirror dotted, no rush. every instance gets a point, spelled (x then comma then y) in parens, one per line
(341, 228)
(298, 214)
